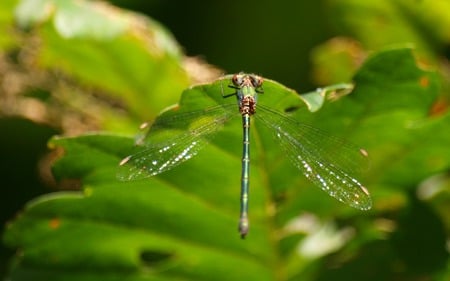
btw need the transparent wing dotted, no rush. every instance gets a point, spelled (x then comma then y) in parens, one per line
(174, 139)
(325, 160)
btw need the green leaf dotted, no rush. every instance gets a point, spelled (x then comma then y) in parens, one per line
(182, 224)
(378, 23)
(121, 54)
(7, 39)
(336, 60)
(314, 100)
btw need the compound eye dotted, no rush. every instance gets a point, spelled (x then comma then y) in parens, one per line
(256, 81)
(237, 80)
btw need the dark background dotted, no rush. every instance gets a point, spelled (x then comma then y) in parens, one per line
(270, 38)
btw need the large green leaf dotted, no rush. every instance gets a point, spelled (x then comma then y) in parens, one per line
(182, 224)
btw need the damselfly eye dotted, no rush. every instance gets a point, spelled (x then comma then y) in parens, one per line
(256, 81)
(237, 80)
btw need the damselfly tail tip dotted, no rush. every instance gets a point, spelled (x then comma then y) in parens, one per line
(243, 227)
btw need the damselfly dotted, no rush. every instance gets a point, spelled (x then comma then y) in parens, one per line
(325, 160)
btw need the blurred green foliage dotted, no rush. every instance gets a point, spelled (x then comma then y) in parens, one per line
(78, 66)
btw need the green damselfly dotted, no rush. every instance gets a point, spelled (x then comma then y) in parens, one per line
(325, 160)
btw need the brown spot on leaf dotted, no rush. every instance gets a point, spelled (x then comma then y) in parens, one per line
(424, 81)
(439, 107)
(54, 223)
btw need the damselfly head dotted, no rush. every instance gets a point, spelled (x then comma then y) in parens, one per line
(249, 80)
